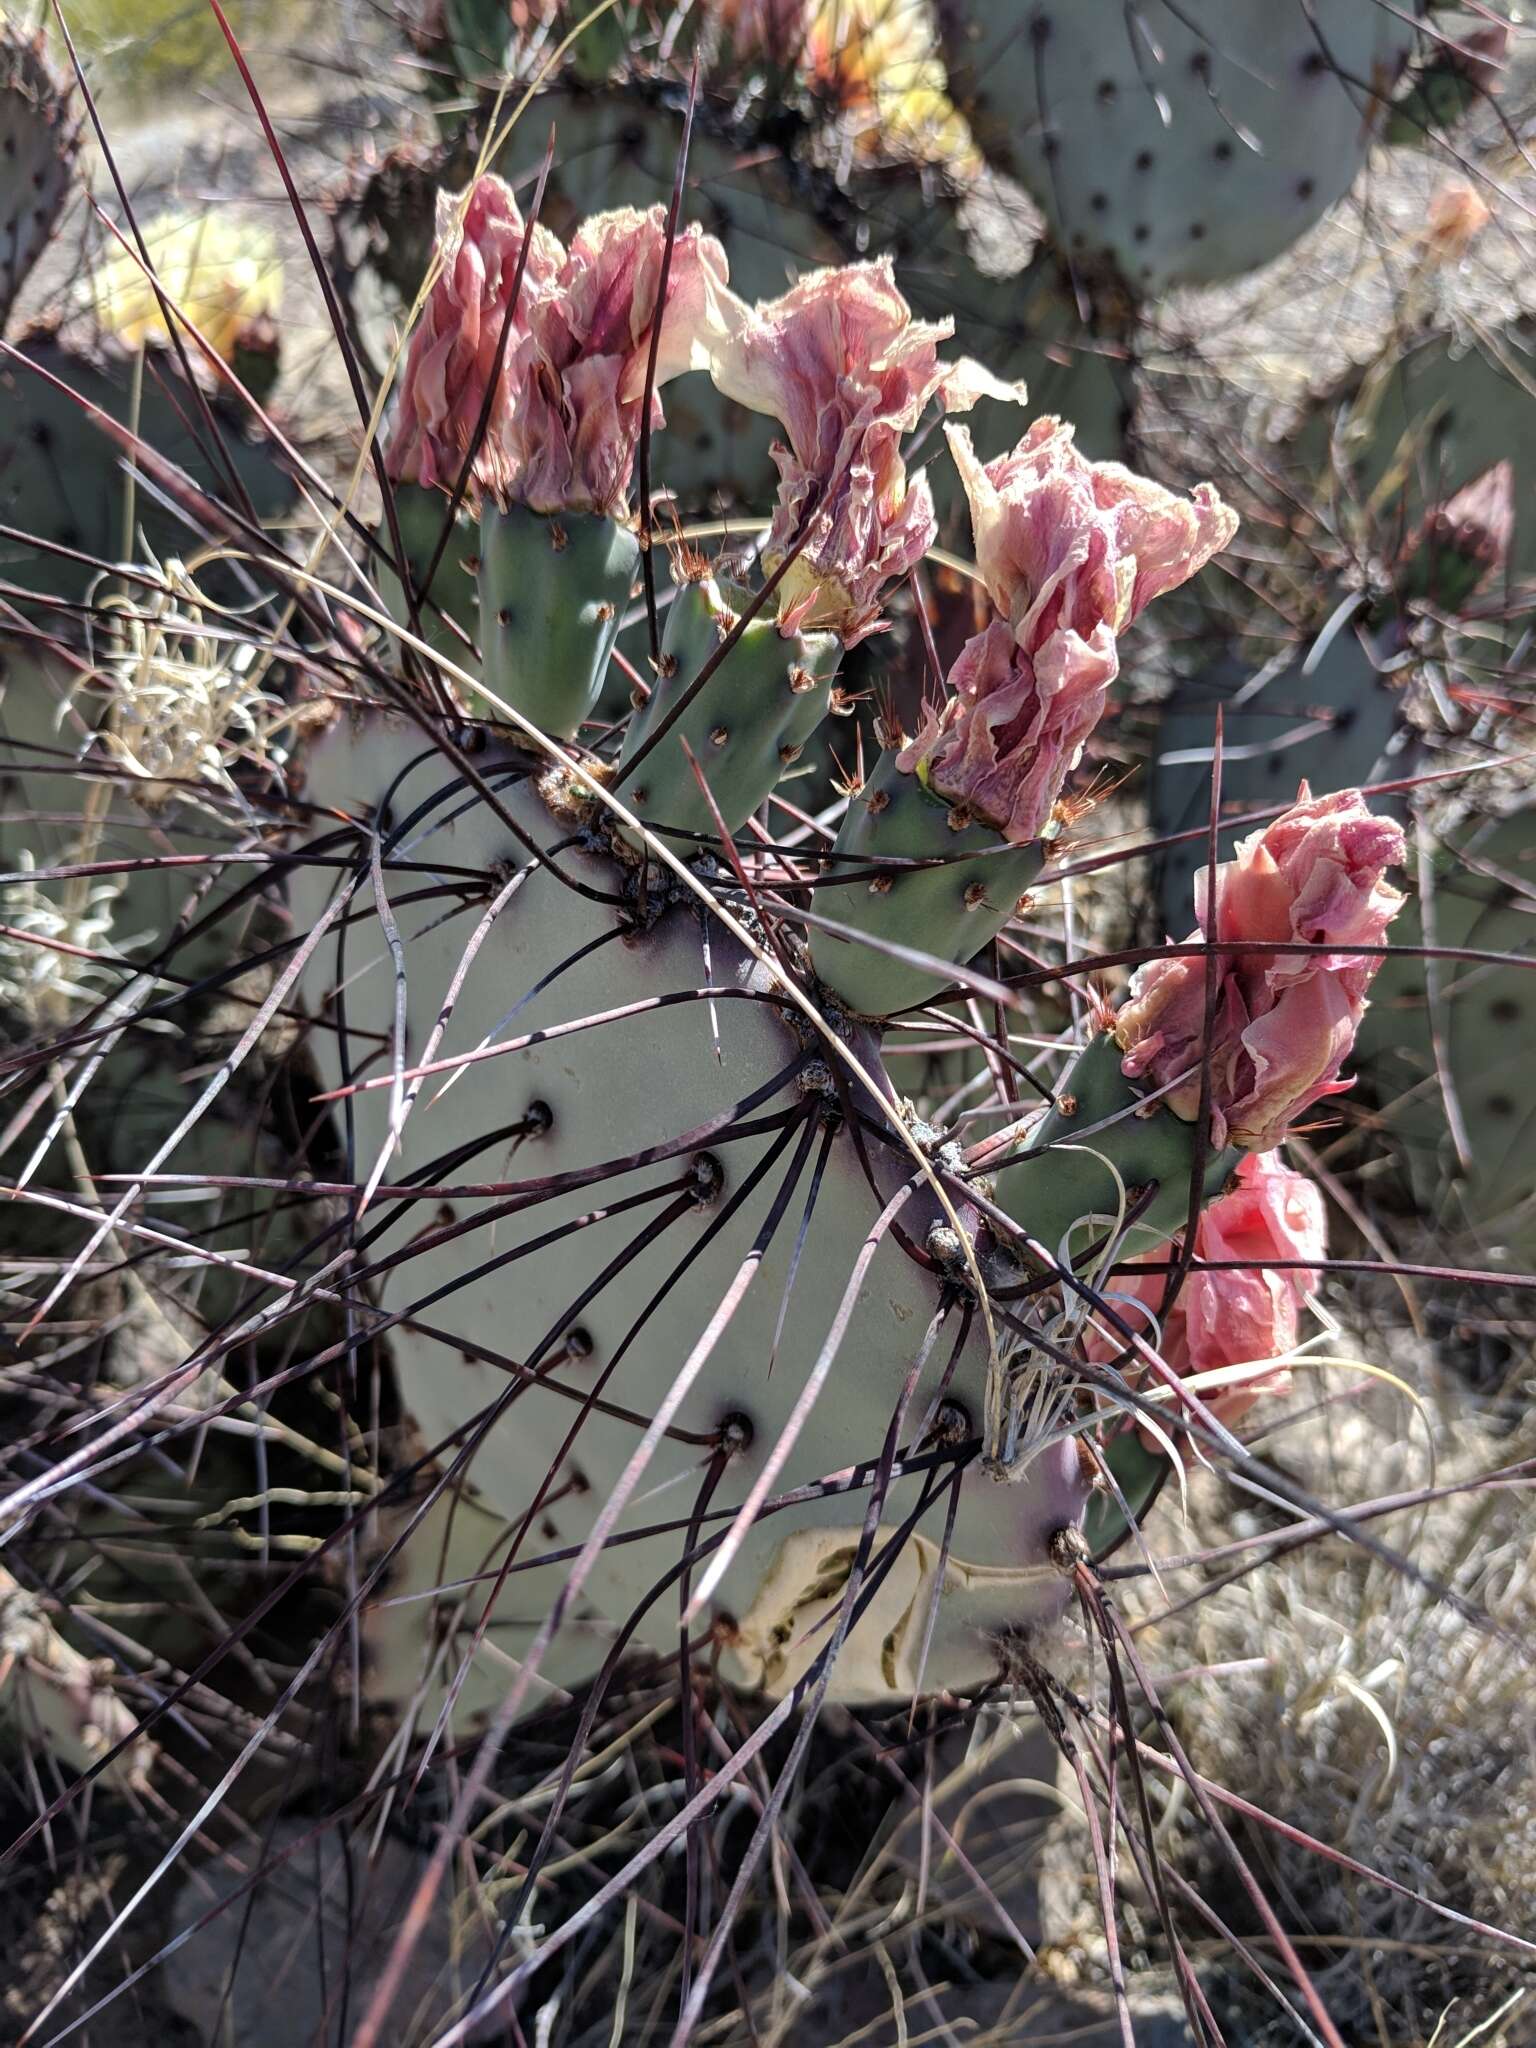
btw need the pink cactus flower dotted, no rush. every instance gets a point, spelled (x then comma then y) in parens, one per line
(1070, 552)
(1232, 1318)
(841, 363)
(578, 384)
(453, 351)
(1284, 1022)
(564, 426)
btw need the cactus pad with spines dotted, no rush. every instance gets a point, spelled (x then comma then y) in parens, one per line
(1182, 144)
(951, 909)
(744, 728)
(553, 587)
(1326, 718)
(553, 958)
(38, 144)
(1484, 878)
(63, 480)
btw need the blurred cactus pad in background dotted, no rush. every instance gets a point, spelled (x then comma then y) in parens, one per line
(767, 852)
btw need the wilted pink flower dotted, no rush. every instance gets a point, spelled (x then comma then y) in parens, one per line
(565, 418)
(453, 351)
(841, 363)
(1070, 552)
(1284, 1022)
(578, 382)
(1230, 1317)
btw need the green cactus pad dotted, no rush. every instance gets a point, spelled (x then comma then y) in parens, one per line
(1417, 424)
(455, 588)
(608, 1092)
(1485, 878)
(950, 911)
(38, 143)
(746, 725)
(553, 588)
(1071, 1167)
(64, 481)
(1183, 149)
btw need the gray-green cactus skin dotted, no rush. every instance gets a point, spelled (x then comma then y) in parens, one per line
(1097, 1153)
(609, 1092)
(745, 728)
(453, 597)
(63, 480)
(1184, 150)
(38, 145)
(1483, 875)
(1327, 718)
(553, 587)
(1416, 424)
(950, 910)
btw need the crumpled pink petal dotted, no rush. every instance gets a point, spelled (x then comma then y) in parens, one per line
(842, 364)
(1230, 1317)
(1284, 1023)
(566, 414)
(1010, 731)
(1070, 552)
(1063, 543)
(453, 351)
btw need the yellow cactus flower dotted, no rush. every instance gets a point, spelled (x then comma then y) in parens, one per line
(223, 274)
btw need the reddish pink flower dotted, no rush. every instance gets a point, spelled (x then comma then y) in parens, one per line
(841, 363)
(453, 350)
(565, 417)
(578, 381)
(1285, 1022)
(1070, 551)
(1237, 1318)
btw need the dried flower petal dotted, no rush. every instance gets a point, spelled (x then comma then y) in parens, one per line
(1070, 551)
(564, 422)
(841, 363)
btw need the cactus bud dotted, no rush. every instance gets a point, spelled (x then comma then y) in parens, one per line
(1463, 543)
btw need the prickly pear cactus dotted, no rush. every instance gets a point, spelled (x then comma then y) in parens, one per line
(1180, 145)
(38, 144)
(1443, 1055)
(1417, 424)
(64, 481)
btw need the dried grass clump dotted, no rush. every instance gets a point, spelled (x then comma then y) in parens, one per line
(1373, 1713)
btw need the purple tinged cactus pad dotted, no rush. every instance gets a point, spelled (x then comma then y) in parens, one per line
(1179, 145)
